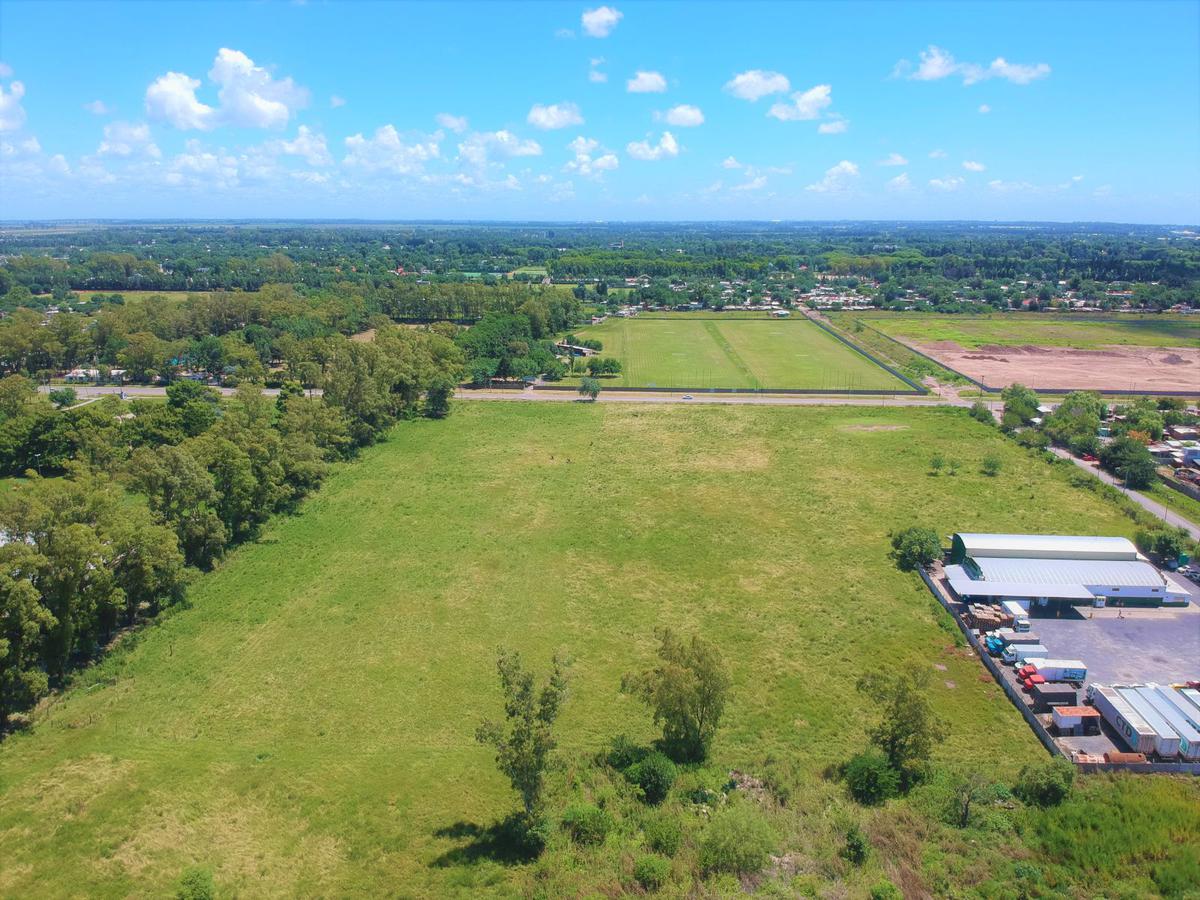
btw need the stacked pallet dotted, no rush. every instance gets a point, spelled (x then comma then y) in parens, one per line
(988, 616)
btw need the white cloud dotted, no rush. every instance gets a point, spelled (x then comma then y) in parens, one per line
(600, 22)
(644, 150)
(937, 154)
(308, 144)
(335, 101)
(837, 178)
(556, 115)
(971, 166)
(834, 126)
(482, 146)
(28, 147)
(756, 84)
(12, 113)
(457, 124)
(731, 163)
(200, 167)
(900, 183)
(311, 177)
(893, 159)
(387, 151)
(128, 139)
(6, 71)
(1011, 187)
(248, 96)
(172, 98)
(805, 105)
(936, 63)
(586, 162)
(594, 74)
(97, 108)
(646, 83)
(684, 116)
(754, 184)
(984, 109)
(949, 183)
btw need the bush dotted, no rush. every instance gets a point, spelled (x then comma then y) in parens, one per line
(587, 824)
(980, 413)
(885, 890)
(651, 872)
(737, 840)
(871, 778)
(915, 546)
(195, 884)
(654, 775)
(63, 397)
(663, 834)
(991, 465)
(1045, 784)
(623, 753)
(857, 847)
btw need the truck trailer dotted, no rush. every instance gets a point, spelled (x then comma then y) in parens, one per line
(1060, 669)
(1189, 737)
(1120, 715)
(1166, 741)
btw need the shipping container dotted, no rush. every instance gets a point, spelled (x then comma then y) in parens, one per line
(1189, 738)
(1191, 695)
(1166, 741)
(1120, 715)
(1012, 636)
(1021, 652)
(1061, 669)
(1189, 712)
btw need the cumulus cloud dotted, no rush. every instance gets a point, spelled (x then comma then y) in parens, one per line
(644, 150)
(646, 83)
(387, 151)
(97, 108)
(756, 83)
(457, 124)
(12, 113)
(335, 101)
(900, 183)
(984, 109)
(937, 154)
(804, 105)
(971, 166)
(947, 184)
(483, 146)
(731, 163)
(248, 96)
(893, 159)
(837, 178)
(684, 116)
(199, 166)
(587, 162)
(308, 144)
(935, 63)
(556, 115)
(128, 139)
(600, 22)
(834, 126)
(754, 184)
(594, 74)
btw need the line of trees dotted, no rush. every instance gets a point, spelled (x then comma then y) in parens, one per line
(81, 559)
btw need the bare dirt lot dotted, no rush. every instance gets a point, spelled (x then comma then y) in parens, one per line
(1109, 368)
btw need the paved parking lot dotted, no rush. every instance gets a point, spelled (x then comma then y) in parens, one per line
(1132, 645)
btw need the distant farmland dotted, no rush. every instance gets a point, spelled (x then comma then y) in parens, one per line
(762, 354)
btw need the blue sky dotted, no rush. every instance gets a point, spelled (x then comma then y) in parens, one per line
(1070, 111)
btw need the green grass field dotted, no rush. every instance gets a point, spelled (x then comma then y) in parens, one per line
(305, 727)
(1038, 329)
(761, 354)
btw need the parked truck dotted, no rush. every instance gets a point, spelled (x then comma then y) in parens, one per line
(1121, 716)
(1014, 653)
(1060, 669)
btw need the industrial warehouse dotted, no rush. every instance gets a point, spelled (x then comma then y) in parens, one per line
(1098, 648)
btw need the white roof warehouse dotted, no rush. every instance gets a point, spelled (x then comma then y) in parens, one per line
(1043, 567)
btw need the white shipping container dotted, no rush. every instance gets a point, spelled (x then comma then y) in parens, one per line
(1191, 695)
(1189, 738)
(1166, 741)
(1012, 636)
(1016, 608)
(1180, 702)
(1061, 669)
(1120, 715)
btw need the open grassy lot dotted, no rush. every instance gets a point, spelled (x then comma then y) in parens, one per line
(759, 354)
(305, 727)
(1038, 329)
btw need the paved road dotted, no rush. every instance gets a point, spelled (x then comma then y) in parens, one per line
(613, 396)
(1152, 506)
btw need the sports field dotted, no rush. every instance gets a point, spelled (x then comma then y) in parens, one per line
(306, 726)
(749, 354)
